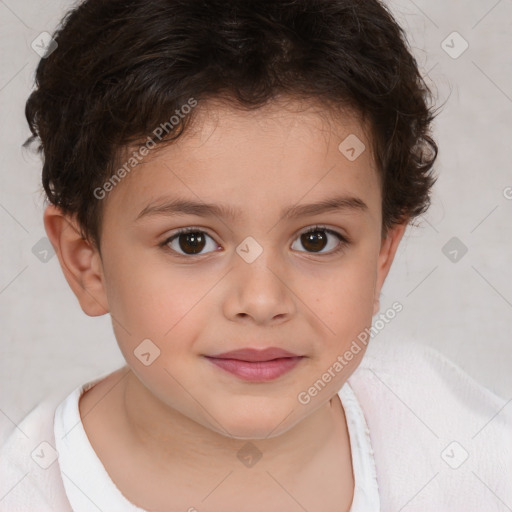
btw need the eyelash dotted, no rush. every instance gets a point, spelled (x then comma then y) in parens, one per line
(344, 241)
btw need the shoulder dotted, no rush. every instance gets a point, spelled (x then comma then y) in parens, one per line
(427, 377)
(29, 472)
(437, 434)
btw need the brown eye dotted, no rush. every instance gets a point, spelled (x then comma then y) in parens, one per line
(314, 241)
(318, 238)
(190, 242)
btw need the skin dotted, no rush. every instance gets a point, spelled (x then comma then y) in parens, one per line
(169, 433)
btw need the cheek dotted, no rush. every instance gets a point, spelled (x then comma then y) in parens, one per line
(345, 305)
(149, 296)
(164, 305)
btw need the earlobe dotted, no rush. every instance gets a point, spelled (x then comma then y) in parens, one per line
(386, 256)
(79, 260)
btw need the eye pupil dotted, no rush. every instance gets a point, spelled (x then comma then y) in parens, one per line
(194, 244)
(310, 240)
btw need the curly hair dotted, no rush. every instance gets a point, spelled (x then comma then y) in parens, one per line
(122, 67)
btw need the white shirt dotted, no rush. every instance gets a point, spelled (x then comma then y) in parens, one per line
(424, 437)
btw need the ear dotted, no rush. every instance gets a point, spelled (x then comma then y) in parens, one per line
(80, 261)
(387, 252)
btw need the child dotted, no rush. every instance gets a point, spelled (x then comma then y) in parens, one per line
(230, 181)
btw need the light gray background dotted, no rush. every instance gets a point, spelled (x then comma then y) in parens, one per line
(462, 308)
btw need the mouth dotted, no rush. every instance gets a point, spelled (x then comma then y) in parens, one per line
(256, 365)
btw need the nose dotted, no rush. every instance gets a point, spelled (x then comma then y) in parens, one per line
(259, 291)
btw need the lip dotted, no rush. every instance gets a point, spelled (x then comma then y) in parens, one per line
(254, 355)
(256, 365)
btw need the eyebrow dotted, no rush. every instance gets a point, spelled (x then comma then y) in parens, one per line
(176, 207)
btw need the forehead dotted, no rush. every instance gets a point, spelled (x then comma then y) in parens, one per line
(273, 155)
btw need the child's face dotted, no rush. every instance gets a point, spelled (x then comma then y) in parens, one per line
(258, 164)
